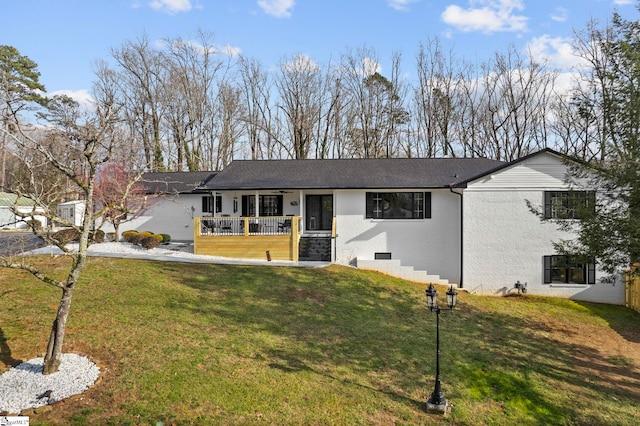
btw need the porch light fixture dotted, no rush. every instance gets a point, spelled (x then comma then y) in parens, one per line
(437, 402)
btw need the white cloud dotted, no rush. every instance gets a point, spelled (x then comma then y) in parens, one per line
(230, 51)
(277, 8)
(215, 49)
(488, 16)
(370, 67)
(300, 63)
(558, 51)
(560, 14)
(171, 6)
(623, 2)
(401, 5)
(82, 96)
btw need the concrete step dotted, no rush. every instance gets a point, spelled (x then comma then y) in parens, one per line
(395, 268)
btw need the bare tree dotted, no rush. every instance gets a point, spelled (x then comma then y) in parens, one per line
(299, 84)
(74, 144)
(434, 98)
(517, 95)
(195, 70)
(256, 97)
(142, 79)
(374, 103)
(230, 110)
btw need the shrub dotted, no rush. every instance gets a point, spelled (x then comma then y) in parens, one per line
(66, 236)
(126, 235)
(166, 238)
(97, 236)
(133, 237)
(151, 241)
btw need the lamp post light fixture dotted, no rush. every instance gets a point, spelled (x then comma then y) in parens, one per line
(437, 402)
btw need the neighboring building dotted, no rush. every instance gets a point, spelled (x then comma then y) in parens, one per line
(71, 211)
(462, 221)
(8, 218)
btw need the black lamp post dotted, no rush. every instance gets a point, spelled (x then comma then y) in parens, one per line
(437, 402)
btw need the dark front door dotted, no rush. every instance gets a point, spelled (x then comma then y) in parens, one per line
(319, 212)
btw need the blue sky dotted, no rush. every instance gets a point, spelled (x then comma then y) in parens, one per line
(67, 37)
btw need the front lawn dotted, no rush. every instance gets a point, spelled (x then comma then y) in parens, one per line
(197, 344)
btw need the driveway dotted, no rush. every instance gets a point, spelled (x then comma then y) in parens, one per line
(16, 242)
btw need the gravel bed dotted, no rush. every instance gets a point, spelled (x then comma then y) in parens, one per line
(24, 386)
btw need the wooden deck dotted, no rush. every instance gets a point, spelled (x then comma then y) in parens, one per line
(247, 237)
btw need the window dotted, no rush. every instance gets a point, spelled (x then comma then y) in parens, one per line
(568, 270)
(398, 205)
(208, 204)
(270, 205)
(568, 204)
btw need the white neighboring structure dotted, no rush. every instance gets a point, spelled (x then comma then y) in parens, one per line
(71, 211)
(9, 220)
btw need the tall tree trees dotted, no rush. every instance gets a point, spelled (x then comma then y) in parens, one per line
(516, 102)
(143, 76)
(375, 104)
(434, 99)
(256, 87)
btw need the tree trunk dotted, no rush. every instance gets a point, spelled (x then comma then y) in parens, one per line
(54, 348)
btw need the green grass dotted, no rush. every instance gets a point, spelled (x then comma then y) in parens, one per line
(214, 344)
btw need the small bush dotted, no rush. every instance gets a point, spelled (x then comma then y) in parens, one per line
(146, 239)
(133, 237)
(97, 236)
(66, 236)
(126, 235)
(151, 241)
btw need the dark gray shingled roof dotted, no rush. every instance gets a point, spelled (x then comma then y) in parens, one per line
(350, 173)
(176, 182)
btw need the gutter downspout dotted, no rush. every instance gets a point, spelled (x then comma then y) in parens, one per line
(461, 234)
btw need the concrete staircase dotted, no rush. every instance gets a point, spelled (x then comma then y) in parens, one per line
(394, 268)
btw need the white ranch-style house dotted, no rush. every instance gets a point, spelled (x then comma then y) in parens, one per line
(459, 221)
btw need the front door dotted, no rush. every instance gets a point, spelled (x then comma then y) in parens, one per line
(319, 212)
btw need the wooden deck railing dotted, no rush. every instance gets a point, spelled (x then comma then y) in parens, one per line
(268, 225)
(247, 237)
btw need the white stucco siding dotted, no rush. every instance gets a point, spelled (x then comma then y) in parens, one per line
(431, 245)
(504, 242)
(171, 215)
